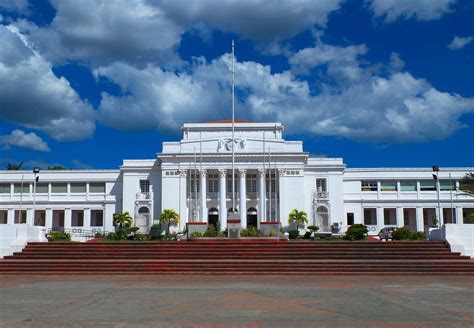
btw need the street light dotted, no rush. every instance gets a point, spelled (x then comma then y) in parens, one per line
(36, 171)
(435, 177)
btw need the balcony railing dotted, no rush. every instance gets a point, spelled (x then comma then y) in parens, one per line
(321, 195)
(144, 196)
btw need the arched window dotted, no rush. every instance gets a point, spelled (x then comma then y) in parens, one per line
(213, 211)
(252, 211)
(143, 210)
(232, 210)
(322, 218)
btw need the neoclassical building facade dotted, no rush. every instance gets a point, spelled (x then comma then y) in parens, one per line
(266, 178)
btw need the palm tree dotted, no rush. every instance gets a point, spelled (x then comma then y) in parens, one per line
(299, 218)
(123, 220)
(169, 217)
(14, 167)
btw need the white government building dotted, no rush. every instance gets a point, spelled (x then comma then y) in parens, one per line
(272, 176)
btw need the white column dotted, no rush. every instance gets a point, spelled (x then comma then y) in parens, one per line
(420, 226)
(400, 221)
(459, 217)
(261, 196)
(282, 210)
(29, 217)
(67, 218)
(183, 212)
(87, 219)
(49, 219)
(11, 216)
(243, 198)
(108, 214)
(222, 199)
(203, 186)
(380, 219)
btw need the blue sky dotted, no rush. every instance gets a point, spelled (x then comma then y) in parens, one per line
(381, 83)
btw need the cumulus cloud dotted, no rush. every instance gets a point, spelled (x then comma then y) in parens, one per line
(32, 96)
(460, 42)
(14, 5)
(143, 31)
(357, 102)
(24, 140)
(422, 10)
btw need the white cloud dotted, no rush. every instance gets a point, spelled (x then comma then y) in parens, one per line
(15, 5)
(460, 42)
(356, 102)
(423, 10)
(32, 96)
(24, 140)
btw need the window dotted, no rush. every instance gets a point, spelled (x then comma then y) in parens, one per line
(97, 218)
(59, 188)
(78, 188)
(350, 218)
(370, 216)
(292, 172)
(273, 186)
(40, 218)
(388, 186)
(213, 185)
(4, 188)
(407, 185)
(3, 217)
(18, 189)
(97, 187)
(145, 186)
(229, 184)
(369, 185)
(41, 188)
(195, 183)
(390, 216)
(20, 218)
(321, 185)
(251, 183)
(428, 185)
(444, 185)
(77, 219)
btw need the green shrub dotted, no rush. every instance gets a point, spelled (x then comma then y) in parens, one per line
(155, 232)
(210, 231)
(141, 237)
(197, 234)
(59, 236)
(356, 232)
(401, 234)
(312, 228)
(419, 235)
(250, 232)
(114, 236)
(98, 234)
(293, 234)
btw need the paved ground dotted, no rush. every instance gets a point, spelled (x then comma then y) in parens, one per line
(255, 301)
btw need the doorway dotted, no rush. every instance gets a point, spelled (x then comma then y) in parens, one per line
(213, 216)
(252, 217)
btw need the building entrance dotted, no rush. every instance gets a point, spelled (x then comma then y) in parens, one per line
(252, 217)
(213, 216)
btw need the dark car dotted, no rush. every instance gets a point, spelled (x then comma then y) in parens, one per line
(386, 233)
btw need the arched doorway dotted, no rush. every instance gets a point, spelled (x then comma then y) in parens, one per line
(252, 217)
(213, 216)
(143, 218)
(322, 218)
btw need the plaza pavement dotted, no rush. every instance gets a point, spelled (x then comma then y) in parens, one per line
(236, 301)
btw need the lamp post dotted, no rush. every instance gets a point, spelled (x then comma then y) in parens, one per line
(36, 171)
(435, 177)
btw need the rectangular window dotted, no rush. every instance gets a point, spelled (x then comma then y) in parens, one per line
(388, 186)
(321, 185)
(369, 185)
(370, 216)
(195, 183)
(213, 185)
(20, 218)
(77, 188)
(350, 219)
(390, 216)
(145, 186)
(18, 189)
(97, 218)
(97, 187)
(5, 188)
(59, 188)
(444, 185)
(407, 185)
(229, 184)
(77, 219)
(3, 217)
(428, 185)
(41, 188)
(251, 183)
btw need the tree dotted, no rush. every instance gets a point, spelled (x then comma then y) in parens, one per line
(14, 167)
(466, 184)
(169, 217)
(298, 218)
(122, 220)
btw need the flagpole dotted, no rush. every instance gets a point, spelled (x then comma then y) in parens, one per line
(233, 128)
(264, 202)
(270, 183)
(195, 186)
(200, 176)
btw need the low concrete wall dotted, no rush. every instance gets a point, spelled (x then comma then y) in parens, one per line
(13, 238)
(459, 236)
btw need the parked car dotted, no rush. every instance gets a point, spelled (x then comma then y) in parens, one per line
(386, 233)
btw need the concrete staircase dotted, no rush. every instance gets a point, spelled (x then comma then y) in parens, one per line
(239, 257)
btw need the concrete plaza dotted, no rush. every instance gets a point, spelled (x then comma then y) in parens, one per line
(231, 301)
